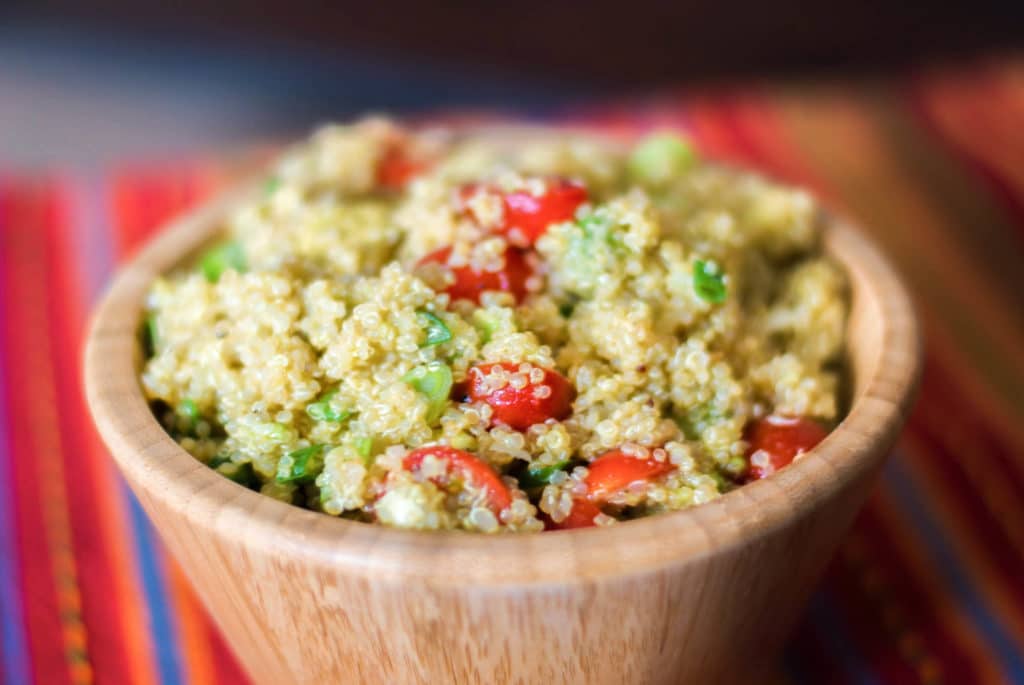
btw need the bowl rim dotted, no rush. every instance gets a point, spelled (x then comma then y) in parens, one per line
(160, 471)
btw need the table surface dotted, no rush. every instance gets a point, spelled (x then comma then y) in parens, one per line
(926, 588)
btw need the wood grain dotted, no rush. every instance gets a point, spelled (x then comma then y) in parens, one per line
(704, 595)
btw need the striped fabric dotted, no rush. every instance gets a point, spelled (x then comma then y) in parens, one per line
(928, 586)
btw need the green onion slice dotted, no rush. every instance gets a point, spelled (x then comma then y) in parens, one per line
(539, 476)
(437, 331)
(302, 465)
(709, 281)
(220, 258)
(323, 410)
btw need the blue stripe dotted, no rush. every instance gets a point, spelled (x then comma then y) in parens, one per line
(949, 570)
(14, 656)
(162, 619)
(831, 630)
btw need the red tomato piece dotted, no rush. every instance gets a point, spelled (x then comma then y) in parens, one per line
(470, 283)
(520, 408)
(614, 471)
(580, 516)
(775, 441)
(467, 467)
(527, 216)
(396, 168)
(610, 473)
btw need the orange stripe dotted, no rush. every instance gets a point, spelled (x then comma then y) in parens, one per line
(116, 535)
(194, 628)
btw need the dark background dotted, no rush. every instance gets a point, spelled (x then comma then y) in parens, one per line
(110, 77)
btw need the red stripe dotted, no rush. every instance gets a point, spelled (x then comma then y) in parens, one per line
(23, 251)
(225, 663)
(101, 604)
(918, 99)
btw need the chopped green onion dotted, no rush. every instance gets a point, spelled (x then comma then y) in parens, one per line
(187, 409)
(694, 421)
(221, 258)
(302, 465)
(433, 381)
(660, 157)
(364, 446)
(323, 410)
(709, 281)
(539, 476)
(599, 227)
(271, 186)
(437, 331)
(150, 335)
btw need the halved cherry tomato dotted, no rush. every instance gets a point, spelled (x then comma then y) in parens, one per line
(526, 217)
(610, 473)
(396, 168)
(615, 471)
(467, 467)
(779, 440)
(520, 408)
(580, 516)
(470, 283)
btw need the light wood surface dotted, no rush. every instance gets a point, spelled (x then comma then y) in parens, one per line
(700, 596)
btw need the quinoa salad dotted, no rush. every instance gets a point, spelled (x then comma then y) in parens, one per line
(434, 330)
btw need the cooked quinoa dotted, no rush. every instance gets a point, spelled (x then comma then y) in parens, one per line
(436, 331)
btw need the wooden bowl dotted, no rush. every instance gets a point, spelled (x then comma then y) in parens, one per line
(703, 595)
